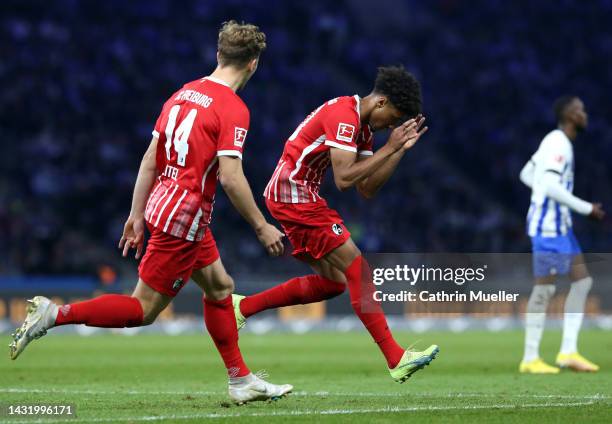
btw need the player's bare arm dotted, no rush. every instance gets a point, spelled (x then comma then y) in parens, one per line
(368, 187)
(236, 186)
(348, 171)
(133, 230)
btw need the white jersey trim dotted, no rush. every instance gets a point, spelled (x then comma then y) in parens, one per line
(161, 211)
(176, 206)
(233, 153)
(194, 225)
(340, 146)
(217, 80)
(274, 181)
(357, 107)
(152, 214)
(280, 169)
(155, 134)
(366, 152)
(151, 197)
(294, 192)
(207, 171)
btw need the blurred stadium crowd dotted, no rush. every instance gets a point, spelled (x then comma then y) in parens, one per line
(83, 81)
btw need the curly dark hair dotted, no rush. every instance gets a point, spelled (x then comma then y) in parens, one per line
(401, 87)
(561, 105)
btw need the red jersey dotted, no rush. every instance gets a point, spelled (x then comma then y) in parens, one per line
(202, 121)
(335, 124)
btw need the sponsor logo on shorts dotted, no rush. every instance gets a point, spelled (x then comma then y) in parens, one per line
(177, 284)
(337, 229)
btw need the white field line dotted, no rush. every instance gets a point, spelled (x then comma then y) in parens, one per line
(596, 396)
(307, 412)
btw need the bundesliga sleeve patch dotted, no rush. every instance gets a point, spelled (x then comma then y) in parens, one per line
(239, 136)
(345, 132)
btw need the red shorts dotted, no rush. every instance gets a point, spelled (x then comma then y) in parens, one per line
(168, 261)
(314, 229)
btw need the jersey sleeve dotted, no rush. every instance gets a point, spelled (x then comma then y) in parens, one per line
(341, 128)
(554, 154)
(233, 128)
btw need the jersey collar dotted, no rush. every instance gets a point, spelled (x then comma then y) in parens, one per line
(217, 80)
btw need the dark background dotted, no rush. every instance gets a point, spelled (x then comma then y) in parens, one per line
(83, 82)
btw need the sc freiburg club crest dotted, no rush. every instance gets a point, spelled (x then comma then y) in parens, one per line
(177, 284)
(337, 229)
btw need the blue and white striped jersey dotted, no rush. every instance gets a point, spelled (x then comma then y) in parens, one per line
(547, 217)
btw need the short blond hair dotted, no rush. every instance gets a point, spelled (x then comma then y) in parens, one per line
(239, 43)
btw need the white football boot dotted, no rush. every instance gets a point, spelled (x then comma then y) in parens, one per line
(253, 387)
(41, 316)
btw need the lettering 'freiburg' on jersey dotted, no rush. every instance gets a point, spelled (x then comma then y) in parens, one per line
(202, 121)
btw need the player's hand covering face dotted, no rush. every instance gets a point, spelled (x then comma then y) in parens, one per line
(414, 131)
(407, 134)
(133, 236)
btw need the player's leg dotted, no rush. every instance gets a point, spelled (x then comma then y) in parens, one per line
(535, 318)
(116, 310)
(219, 315)
(326, 283)
(221, 324)
(151, 301)
(106, 311)
(211, 276)
(166, 264)
(349, 260)
(402, 363)
(568, 356)
(574, 304)
(547, 265)
(165, 267)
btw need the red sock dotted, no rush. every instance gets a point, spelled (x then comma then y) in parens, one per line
(369, 311)
(297, 291)
(109, 311)
(221, 325)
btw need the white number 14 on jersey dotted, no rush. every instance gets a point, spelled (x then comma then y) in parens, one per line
(181, 135)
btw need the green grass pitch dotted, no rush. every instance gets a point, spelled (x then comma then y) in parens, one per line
(338, 377)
